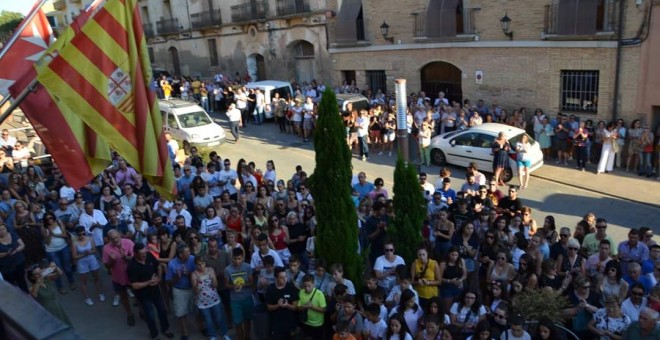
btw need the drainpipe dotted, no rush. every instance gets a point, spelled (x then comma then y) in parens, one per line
(619, 52)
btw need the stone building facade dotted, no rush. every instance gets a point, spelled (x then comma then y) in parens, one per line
(268, 39)
(561, 56)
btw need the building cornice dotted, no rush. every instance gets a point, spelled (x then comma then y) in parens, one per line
(478, 44)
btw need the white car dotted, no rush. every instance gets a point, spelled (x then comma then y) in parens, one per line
(474, 145)
(190, 124)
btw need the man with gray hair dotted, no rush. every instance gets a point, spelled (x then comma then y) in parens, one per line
(560, 248)
(117, 253)
(646, 328)
(634, 276)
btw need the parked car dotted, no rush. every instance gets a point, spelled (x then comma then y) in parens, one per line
(474, 145)
(359, 101)
(270, 87)
(190, 124)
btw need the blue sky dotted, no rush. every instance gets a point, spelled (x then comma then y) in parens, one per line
(22, 6)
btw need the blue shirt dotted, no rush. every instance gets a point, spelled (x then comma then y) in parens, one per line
(364, 189)
(450, 193)
(183, 186)
(176, 266)
(643, 279)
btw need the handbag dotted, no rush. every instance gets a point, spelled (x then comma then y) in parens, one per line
(304, 315)
(616, 147)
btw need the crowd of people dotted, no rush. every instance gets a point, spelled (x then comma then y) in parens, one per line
(237, 247)
(562, 138)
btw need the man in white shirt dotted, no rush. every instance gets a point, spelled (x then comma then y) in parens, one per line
(441, 100)
(385, 266)
(129, 198)
(256, 262)
(212, 180)
(260, 100)
(93, 220)
(632, 305)
(428, 188)
(235, 119)
(227, 179)
(163, 207)
(241, 99)
(7, 142)
(179, 210)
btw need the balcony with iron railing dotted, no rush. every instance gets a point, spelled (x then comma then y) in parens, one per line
(148, 30)
(168, 26)
(465, 25)
(206, 19)
(253, 10)
(292, 7)
(606, 19)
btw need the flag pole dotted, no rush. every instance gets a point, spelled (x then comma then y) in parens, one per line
(21, 96)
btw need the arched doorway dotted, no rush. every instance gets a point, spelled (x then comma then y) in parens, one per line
(174, 59)
(256, 67)
(303, 52)
(442, 76)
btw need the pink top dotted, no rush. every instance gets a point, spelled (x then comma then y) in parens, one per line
(123, 177)
(113, 257)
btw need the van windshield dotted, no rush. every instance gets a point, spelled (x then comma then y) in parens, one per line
(194, 119)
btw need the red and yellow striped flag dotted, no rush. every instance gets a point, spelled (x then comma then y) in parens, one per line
(103, 74)
(75, 147)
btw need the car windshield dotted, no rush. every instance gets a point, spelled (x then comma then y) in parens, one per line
(194, 119)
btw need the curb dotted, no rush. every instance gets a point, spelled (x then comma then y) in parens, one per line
(583, 187)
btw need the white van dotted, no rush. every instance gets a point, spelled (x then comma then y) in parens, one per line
(270, 87)
(190, 124)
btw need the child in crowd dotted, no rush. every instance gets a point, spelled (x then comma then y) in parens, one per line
(434, 307)
(335, 304)
(349, 314)
(337, 272)
(397, 329)
(321, 278)
(342, 333)
(378, 297)
(432, 328)
(516, 330)
(232, 242)
(375, 327)
(293, 273)
(370, 287)
(404, 282)
(238, 279)
(266, 276)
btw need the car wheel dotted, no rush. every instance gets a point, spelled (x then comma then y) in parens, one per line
(507, 174)
(186, 147)
(438, 157)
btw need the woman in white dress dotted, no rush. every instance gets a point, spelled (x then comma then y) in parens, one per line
(606, 162)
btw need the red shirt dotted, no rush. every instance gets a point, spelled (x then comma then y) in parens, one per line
(113, 257)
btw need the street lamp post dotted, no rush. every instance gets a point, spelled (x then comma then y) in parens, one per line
(402, 118)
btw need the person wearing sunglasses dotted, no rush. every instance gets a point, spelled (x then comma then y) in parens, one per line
(83, 251)
(635, 302)
(584, 303)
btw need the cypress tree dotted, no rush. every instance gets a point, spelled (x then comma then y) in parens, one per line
(336, 232)
(409, 209)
